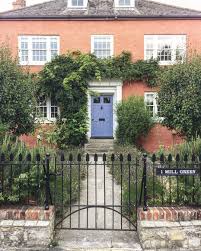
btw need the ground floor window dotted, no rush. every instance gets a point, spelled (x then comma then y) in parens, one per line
(47, 108)
(151, 101)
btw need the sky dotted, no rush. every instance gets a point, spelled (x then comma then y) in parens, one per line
(193, 4)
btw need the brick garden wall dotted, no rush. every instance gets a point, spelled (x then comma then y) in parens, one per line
(26, 227)
(172, 228)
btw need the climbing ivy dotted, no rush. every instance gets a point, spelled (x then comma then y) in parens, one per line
(67, 76)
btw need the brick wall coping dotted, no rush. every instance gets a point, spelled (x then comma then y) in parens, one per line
(170, 214)
(26, 213)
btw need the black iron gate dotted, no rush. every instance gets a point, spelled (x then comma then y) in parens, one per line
(100, 192)
(95, 192)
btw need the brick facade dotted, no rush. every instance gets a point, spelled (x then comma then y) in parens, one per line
(128, 35)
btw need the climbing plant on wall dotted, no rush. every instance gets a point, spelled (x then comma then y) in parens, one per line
(67, 76)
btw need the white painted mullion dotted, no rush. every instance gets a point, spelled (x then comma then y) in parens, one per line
(48, 49)
(155, 42)
(174, 46)
(30, 52)
(48, 108)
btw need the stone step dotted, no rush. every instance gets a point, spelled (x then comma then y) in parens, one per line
(99, 146)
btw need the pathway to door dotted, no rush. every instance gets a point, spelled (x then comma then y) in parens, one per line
(98, 218)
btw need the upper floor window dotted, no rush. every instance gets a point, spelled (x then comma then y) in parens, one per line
(167, 49)
(77, 3)
(124, 3)
(102, 45)
(151, 101)
(47, 109)
(37, 50)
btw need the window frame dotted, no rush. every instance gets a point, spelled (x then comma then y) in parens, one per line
(111, 37)
(117, 5)
(174, 41)
(84, 6)
(30, 48)
(49, 118)
(155, 105)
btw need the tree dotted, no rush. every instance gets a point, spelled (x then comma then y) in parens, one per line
(16, 95)
(133, 119)
(180, 97)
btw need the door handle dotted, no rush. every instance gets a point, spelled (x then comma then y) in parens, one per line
(101, 119)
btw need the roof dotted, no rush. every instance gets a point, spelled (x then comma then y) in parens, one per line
(100, 9)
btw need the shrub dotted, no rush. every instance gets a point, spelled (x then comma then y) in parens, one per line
(16, 97)
(133, 119)
(23, 180)
(180, 97)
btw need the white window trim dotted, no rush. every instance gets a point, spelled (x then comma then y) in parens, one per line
(155, 106)
(48, 119)
(85, 3)
(117, 5)
(30, 59)
(105, 35)
(155, 43)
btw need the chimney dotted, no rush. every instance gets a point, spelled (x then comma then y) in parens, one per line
(18, 4)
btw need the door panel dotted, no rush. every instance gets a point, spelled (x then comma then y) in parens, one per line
(102, 116)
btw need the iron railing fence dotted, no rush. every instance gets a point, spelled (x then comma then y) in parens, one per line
(172, 180)
(150, 181)
(24, 180)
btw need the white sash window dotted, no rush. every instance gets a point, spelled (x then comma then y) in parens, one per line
(37, 50)
(167, 49)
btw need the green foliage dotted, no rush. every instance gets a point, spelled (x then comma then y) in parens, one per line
(133, 119)
(32, 174)
(3, 130)
(190, 147)
(16, 96)
(180, 97)
(66, 78)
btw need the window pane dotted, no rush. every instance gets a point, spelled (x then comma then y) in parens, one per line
(102, 46)
(96, 100)
(106, 100)
(77, 2)
(41, 109)
(124, 2)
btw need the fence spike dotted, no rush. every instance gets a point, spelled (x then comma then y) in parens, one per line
(37, 157)
(20, 157)
(104, 157)
(170, 157)
(121, 157)
(70, 157)
(129, 157)
(28, 157)
(177, 157)
(3, 158)
(153, 158)
(112, 157)
(186, 157)
(79, 158)
(162, 158)
(62, 157)
(193, 157)
(95, 157)
(11, 157)
(87, 157)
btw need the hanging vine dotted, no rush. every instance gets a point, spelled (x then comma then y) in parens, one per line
(67, 77)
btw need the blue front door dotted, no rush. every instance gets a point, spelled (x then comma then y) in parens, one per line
(102, 116)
